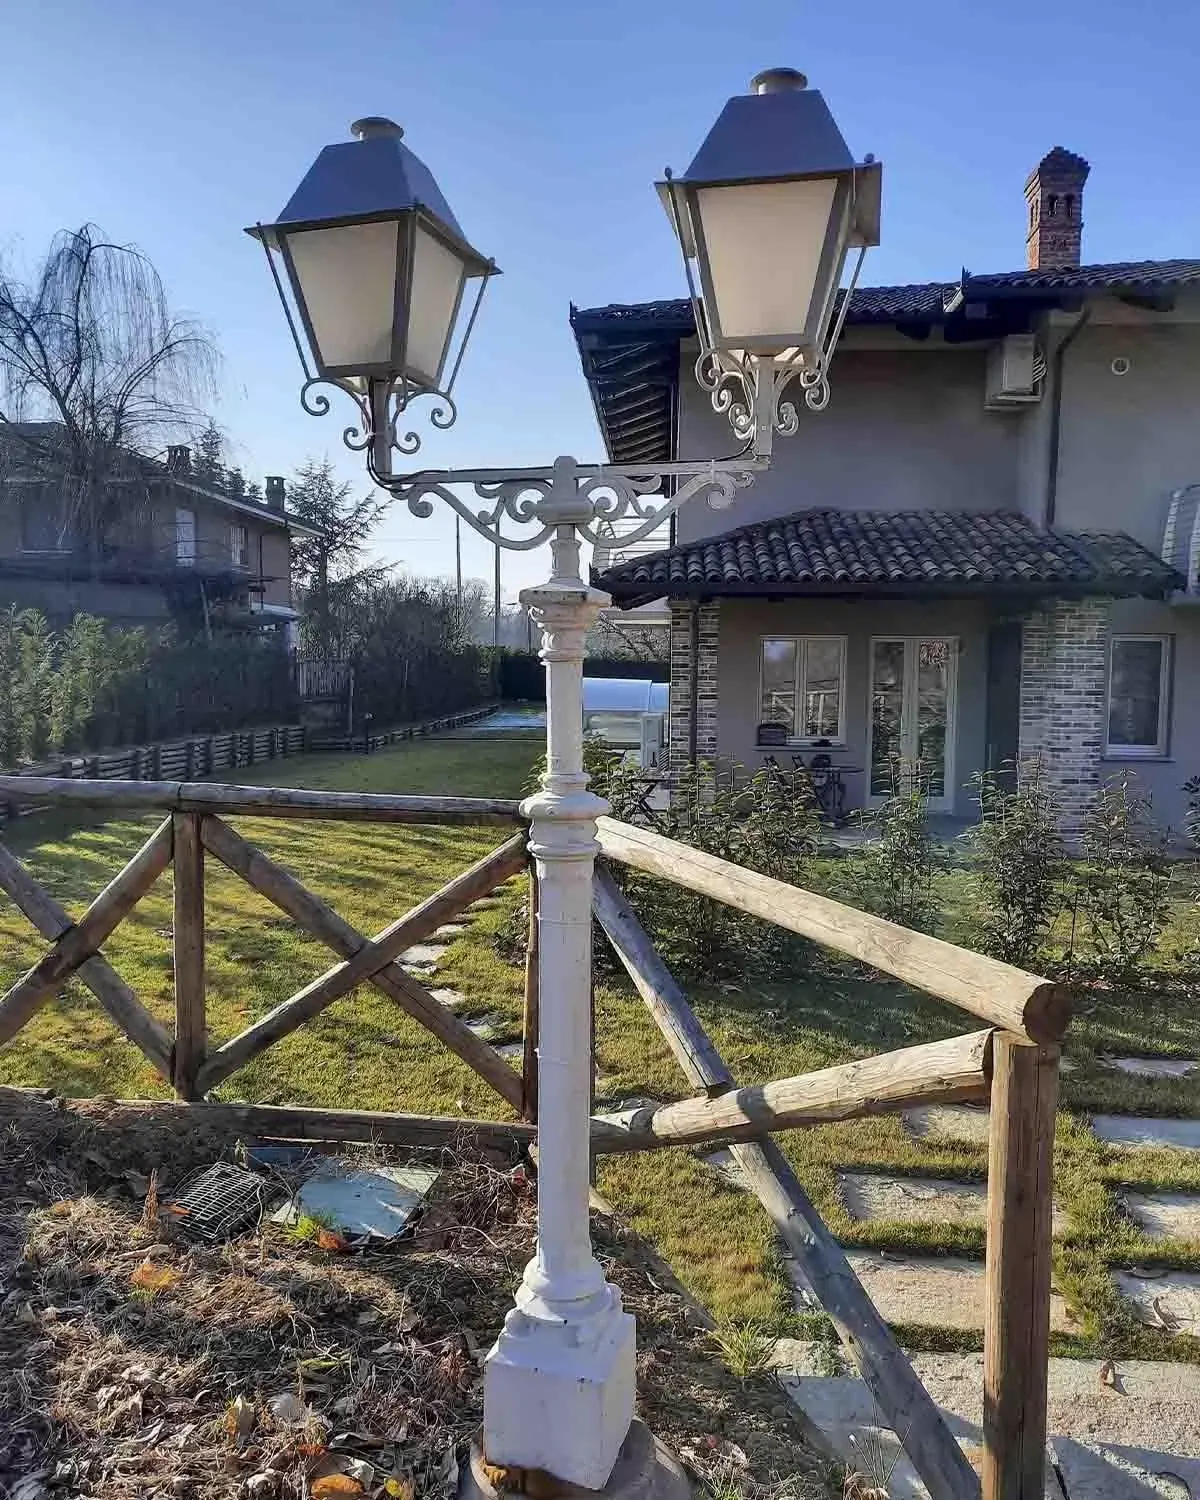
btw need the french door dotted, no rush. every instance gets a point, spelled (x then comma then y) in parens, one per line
(912, 716)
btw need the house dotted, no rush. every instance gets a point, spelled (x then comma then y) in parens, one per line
(163, 542)
(986, 549)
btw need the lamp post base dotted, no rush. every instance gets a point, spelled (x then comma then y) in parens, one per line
(645, 1470)
(558, 1394)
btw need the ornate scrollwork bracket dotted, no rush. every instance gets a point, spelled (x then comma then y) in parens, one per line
(539, 503)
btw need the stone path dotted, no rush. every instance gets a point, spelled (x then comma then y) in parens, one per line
(918, 1200)
(1108, 1439)
(948, 1122)
(939, 1291)
(422, 956)
(1153, 1067)
(1164, 1215)
(1163, 1299)
(1131, 1131)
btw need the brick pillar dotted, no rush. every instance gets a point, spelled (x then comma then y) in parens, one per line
(682, 668)
(1064, 668)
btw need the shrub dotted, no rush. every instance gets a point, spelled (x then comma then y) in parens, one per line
(1016, 852)
(765, 822)
(894, 873)
(1120, 887)
(1191, 818)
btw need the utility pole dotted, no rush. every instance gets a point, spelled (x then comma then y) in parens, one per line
(458, 565)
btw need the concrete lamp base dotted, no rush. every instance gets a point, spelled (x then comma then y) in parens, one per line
(645, 1470)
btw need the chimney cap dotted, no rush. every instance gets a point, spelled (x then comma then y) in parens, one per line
(1059, 162)
(778, 81)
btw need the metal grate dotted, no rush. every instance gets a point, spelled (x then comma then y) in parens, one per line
(220, 1201)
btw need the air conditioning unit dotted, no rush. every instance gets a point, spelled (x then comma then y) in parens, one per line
(1015, 369)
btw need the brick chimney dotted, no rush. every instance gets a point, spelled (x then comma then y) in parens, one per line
(1054, 192)
(275, 492)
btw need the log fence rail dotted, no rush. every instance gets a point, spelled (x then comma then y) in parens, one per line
(1013, 1060)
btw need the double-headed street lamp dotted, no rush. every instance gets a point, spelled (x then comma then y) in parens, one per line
(381, 289)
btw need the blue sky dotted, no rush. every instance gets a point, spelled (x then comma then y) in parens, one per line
(546, 122)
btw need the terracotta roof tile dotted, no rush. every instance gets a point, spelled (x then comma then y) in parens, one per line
(948, 552)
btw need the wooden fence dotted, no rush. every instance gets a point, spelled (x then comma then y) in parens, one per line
(1012, 1060)
(205, 754)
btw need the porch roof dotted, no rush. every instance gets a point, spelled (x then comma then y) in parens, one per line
(893, 553)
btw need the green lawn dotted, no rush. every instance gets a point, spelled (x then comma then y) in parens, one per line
(363, 1052)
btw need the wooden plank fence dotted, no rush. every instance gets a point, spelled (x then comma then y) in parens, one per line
(199, 755)
(1014, 1059)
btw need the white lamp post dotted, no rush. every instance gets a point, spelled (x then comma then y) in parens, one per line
(371, 267)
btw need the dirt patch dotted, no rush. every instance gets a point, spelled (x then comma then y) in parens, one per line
(133, 1363)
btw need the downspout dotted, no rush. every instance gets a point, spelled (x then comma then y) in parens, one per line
(1056, 416)
(694, 705)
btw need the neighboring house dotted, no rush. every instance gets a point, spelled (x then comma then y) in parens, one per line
(985, 548)
(173, 544)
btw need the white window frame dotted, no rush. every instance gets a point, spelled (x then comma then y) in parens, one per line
(800, 687)
(1158, 750)
(238, 530)
(944, 803)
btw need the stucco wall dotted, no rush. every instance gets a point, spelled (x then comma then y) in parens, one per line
(745, 622)
(276, 565)
(1163, 778)
(905, 430)
(1128, 440)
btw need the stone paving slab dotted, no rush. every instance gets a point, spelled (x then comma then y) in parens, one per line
(1107, 1471)
(1131, 1131)
(450, 930)
(948, 1122)
(1153, 1067)
(1164, 1215)
(918, 1200)
(451, 999)
(1153, 1402)
(942, 1291)
(1136, 1432)
(512, 1050)
(486, 1027)
(723, 1164)
(1168, 1300)
(423, 955)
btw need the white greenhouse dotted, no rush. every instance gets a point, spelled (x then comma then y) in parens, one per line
(628, 713)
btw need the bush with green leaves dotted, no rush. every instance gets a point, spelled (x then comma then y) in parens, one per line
(1017, 863)
(765, 821)
(1119, 894)
(895, 872)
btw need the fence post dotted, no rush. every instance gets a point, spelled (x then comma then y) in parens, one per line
(529, 1060)
(1020, 1250)
(190, 1038)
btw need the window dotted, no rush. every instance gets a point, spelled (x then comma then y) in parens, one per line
(43, 527)
(1052, 205)
(185, 537)
(239, 546)
(1138, 678)
(804, 685)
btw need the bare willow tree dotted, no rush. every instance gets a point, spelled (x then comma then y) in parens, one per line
(95, 369)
